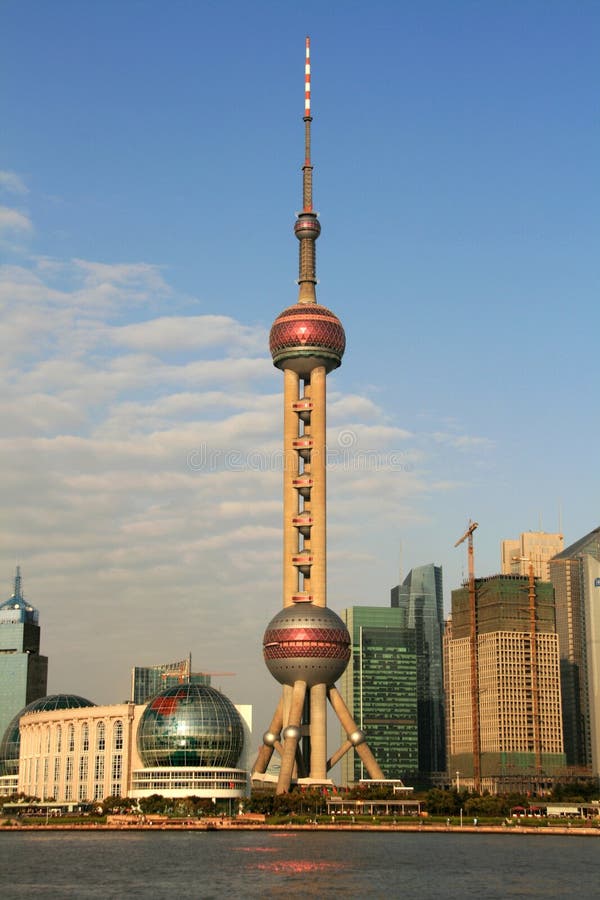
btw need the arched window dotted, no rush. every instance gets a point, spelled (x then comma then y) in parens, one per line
(100, 736)
(58, 739)
(118, 735)
(85, 736)
(71, 739)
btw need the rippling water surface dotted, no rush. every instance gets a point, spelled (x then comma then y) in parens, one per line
(260, 864)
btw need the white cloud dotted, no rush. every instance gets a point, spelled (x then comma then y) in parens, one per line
(11, 220)
(353, 406)
(191, 333)
(123, 274)
(12, 183)
(462, 441)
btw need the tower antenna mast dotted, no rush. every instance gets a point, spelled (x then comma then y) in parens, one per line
(307, 227)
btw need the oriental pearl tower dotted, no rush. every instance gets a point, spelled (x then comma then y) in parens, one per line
(306, 646)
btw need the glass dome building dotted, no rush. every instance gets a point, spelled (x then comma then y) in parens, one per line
(9, 746)
(190, 741)
(190, 725)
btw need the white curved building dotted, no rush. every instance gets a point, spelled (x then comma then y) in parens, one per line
(87, 754)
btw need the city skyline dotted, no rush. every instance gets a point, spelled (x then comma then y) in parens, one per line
(455, 186)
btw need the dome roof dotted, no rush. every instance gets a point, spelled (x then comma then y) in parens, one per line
(306, 335)
(9, 746)
(190, 725)
(307, 643)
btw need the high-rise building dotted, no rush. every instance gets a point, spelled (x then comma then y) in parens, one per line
(147, 681)
(575, 575)
(306, 645)
(517, 684)
(23, 672)
(421, 597)
(532, 547)
(379, 686)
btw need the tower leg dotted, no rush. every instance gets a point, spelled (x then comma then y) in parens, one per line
(355, 736)
(291, 737)
(318, 732)
(347, 745)
(270, 741)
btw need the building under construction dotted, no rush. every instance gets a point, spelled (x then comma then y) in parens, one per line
(515, 741)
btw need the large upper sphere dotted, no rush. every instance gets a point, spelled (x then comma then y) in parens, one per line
(190, 725)
(307, 335)
(306, 643)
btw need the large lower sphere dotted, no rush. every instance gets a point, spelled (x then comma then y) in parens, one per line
(190, 725)
(306, 643)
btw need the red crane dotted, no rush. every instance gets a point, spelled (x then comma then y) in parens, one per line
(468, 536)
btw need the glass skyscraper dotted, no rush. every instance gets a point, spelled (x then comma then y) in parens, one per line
(23, 672)
(420, 596)
(575, 576)
(379, 687)
(147, 681)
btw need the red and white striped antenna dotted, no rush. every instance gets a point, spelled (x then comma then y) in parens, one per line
(307, 81)
(307, 227)
(307, 167)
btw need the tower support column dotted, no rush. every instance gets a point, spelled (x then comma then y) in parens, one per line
(290, 494)
(355, 736)
(270, 740)
(318, 732)
(318, 499)
(291, 737)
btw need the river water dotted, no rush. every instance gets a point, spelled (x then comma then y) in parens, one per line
(198, 864)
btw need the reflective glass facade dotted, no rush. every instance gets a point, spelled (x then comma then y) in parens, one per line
(190, 725)
(577, 598)
(380, 689)
(148, 681)
(23, 672)
(421, 597)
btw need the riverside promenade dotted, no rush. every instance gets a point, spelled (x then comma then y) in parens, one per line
(231, 825)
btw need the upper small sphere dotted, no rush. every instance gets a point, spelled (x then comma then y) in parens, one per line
(190, 725)
(307, 226)
(306, 643)
(307, 335)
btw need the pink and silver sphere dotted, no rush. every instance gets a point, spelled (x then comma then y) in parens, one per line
(306, 335)
(307, 226)
(306, 643)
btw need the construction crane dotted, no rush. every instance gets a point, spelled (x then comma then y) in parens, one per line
(182, 672)
(468, 536)
(537, 737)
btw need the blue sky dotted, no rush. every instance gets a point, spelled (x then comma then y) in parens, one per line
(150, 174)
